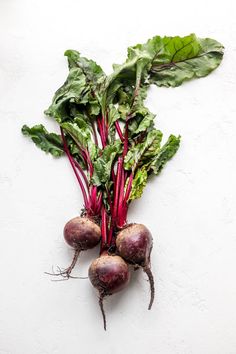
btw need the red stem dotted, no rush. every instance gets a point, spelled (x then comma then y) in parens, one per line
(117, 125)
(101, 133)
(121, 188)
(105, 129)
(122, 206)
(104, 229)
(99, 203)
(74, 168)
(94, 193)
(89, 162)
(116, 189)
(83, 155)
(82, 173)
(128, 189)
(110, 233)
(123, 202)
(126, 139)
(86, 157)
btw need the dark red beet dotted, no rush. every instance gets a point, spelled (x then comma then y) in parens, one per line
(82, 234)
(108, 274)
(134, 244)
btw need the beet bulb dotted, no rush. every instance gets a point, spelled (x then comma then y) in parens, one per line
(108, 274)
(81, 233)
(134, 244)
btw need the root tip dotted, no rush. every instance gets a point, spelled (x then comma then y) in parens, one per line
(65, 273)
(101, 297)
(148, 271)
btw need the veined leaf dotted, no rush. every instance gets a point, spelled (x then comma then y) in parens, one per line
(48, 142)
(93, 107)
(142, 120)
(127, 76)
(79, 133)
(93, 72)
(167, 151)
(73, 91)
(113, 115)
(139, 154)
(80, 139)
(93, 150)
(138, 184)
(103, 164)
(177, 59)
(164, 61)
(81, 88)
(94, 76)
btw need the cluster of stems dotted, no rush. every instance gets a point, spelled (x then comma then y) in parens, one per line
(114, 216)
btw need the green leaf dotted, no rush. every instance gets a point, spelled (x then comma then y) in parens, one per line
(127, 77)
(81, 91)
(78, 134)
(93, 150)
(88, 93)
(177, 59)
(94, 76)
(73, 91)
(103, 164)
(140, 153)
(48, 142)
(124, 110)
(164, 61)
(113, 115)
(142, 120)
(80, 139)
(93, 108)
(93, 72)
(165, 154)
(138, 184)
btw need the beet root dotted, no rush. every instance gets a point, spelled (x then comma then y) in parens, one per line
(82, 234)
(134, 244)
(108, 274)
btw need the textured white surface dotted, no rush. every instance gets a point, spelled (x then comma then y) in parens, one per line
(190, 208)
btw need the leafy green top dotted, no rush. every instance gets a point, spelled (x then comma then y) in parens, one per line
(89, 102)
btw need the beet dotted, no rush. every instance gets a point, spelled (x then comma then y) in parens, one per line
(134, 244)
(108, 274)
(81, 233)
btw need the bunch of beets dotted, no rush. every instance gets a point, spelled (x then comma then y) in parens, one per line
(109, 138)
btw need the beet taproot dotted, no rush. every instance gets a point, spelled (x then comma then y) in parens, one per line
(108, 274)
(134, 244)
(82, 234)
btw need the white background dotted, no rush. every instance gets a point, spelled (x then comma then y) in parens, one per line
(190, 208)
